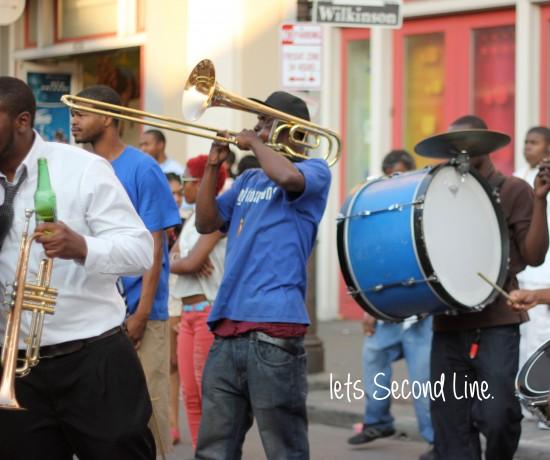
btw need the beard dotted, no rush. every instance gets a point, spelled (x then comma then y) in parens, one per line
(89, 136)
(7, 146)
(84, 139)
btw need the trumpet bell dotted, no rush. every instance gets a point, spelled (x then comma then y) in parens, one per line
(199, 90)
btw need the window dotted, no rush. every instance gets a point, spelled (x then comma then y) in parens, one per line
(85, 18)
(449, 66)
(494, 85)
(357, 112)
(424, 89)
(31, 23)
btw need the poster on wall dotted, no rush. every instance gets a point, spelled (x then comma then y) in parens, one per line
(52, 119)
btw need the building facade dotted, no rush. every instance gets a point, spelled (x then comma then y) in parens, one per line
(381, 88)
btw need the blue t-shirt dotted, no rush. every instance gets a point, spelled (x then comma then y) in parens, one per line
(270, 236)
(150, 194)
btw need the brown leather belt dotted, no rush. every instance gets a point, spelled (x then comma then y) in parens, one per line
(65, 348)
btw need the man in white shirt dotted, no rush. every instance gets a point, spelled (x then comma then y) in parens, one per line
(87, 396)
(153, 142)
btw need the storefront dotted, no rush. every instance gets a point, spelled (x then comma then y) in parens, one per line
(450, 58)
(381, 88)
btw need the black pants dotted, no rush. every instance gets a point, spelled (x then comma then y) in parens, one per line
(93, 403)
(458, 422)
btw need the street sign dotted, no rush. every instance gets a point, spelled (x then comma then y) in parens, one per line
(359, 13)
(301, 47)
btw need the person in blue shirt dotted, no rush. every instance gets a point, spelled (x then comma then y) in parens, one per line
(147, 295)
(257, 364)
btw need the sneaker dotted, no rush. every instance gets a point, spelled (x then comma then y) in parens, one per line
(430, 455)
(370, 433)
(543, 426)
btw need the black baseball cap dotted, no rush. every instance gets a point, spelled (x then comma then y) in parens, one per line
(286, 102)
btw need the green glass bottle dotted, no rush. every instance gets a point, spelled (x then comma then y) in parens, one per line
(45, 204)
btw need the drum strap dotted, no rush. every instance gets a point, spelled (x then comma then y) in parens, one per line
(496, 181)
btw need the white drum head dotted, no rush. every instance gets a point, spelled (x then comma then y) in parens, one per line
(462, 236)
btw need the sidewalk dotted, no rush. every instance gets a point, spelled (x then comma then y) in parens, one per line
(342, 342)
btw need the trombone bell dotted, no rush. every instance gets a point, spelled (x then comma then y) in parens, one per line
(199, 90)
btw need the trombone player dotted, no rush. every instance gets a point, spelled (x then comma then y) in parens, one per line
(87, 395)
(257, 364)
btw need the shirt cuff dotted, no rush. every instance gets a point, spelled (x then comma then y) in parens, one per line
(96, 251)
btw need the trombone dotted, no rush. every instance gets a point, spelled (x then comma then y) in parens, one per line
(202, 92)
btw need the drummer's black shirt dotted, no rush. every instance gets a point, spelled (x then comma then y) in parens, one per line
(516, 199)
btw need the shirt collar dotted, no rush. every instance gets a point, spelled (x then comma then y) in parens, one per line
(30, 161)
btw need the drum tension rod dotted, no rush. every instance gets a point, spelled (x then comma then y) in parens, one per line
(406, 283)
(390, 208)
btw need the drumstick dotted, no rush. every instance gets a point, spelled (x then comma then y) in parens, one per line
(498, 288)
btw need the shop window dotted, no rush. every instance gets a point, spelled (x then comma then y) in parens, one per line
(494, 85)
(355, 165)
(121, 71)
(85, 18)
(31, 23)
(450, 66)
(357, 133)
(424, 89)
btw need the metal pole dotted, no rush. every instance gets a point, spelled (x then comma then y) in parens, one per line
(313, 344)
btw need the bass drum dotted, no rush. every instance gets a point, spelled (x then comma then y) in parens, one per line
(533, 384)
(413, 243)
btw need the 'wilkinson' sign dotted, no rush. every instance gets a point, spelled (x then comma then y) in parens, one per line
(359, 13)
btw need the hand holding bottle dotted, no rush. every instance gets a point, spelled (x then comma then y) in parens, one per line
(61, 241)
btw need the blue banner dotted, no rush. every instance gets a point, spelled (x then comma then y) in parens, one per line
(52, 119)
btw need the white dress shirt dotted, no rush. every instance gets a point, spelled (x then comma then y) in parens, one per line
(92, 202)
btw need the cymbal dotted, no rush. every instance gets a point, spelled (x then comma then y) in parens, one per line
(473, 142)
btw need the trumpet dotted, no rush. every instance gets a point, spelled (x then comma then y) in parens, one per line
(202, 92)
(39, 298)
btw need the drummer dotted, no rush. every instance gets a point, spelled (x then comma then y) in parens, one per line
(484, 346)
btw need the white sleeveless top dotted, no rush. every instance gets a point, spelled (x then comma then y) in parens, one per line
(192, 284)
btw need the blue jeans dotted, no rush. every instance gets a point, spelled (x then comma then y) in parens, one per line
(389, 343)
(245, 378)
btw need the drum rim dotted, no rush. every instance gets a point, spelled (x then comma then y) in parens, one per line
(347, 272)
(523, 372)
(422, 251)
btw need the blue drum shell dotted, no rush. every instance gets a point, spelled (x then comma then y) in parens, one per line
(379, 250)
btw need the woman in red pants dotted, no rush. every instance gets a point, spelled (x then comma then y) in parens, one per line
(198, 261)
